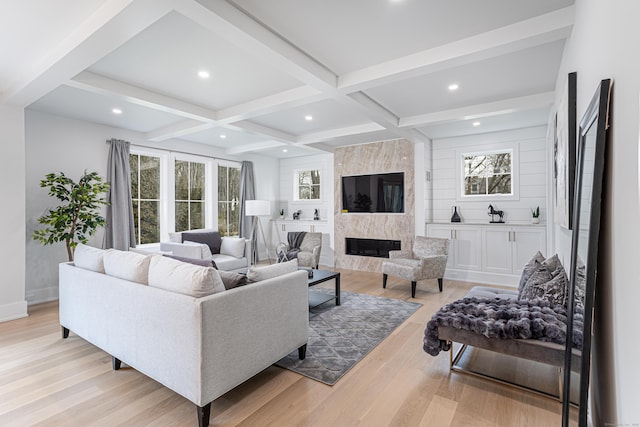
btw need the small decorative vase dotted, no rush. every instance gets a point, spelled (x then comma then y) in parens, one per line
(455, 217)
(535, 220)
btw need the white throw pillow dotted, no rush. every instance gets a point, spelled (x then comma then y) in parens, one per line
(89, 258)
(205, 250)
(127, 265)
(175, 237)
(257, 274)
(232, 246)
(177, 276)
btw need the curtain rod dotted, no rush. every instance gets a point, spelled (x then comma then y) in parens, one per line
(183, 152)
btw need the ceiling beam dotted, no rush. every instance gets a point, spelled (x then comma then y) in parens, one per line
(328, 135)
(177, 130)
(98, 84)
(269, 104)
(248, 126)
(113, 24)
(248, 148)
(521, 35)
(504, 106)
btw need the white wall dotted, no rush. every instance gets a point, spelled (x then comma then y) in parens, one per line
(12, 214)
(56, 144)
(603, 45)
(533, 184)
(427, 176)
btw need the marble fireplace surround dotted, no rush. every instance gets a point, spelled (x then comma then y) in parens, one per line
(377, 157)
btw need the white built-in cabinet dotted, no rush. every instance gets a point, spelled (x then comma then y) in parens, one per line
(282, 227)
(493, 254)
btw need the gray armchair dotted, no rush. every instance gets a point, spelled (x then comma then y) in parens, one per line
(427, 260)
(309, 250)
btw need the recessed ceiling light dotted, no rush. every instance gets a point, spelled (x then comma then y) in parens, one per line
(223, 136)
(116, 111)
(453, 86)
(308, 118)
(203, 74)
(284, 150)
(476, 123)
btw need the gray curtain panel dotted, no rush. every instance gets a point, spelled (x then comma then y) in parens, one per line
(247, 192)
(119, 231)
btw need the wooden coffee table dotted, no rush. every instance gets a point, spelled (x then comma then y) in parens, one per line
(316, 298)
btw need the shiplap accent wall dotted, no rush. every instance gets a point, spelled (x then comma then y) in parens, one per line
(288, 167)
(533, 177)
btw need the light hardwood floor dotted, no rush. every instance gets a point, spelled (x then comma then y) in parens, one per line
(47, 381)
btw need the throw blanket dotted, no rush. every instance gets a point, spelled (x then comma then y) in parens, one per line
(503, 319)
(294, 239)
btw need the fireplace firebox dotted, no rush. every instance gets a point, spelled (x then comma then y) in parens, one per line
(378, 248)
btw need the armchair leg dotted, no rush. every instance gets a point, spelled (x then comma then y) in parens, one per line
(413, 289)
(440, 284)
(384, 281)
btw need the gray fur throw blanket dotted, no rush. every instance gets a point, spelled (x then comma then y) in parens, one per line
(503, 319)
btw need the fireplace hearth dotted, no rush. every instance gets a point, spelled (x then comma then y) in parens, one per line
(378, 248)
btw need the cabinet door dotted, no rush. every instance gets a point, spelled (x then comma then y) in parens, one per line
(497, 250)
(527, 241)
(467, 248)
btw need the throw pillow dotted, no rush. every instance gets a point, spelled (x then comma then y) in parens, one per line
(194, 261)
(232, 246)
(232, 279)
(529, 268)
(257, 274)
(205, 251)
(89, 258)
(548, 282)
(127, 265)
(211, 238)
(181, 277)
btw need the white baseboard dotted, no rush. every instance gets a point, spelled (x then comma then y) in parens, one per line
(14, 310)
(37, 296)
(483, 277)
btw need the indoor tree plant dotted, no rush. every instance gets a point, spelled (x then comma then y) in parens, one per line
(535, 215)
(78, 216)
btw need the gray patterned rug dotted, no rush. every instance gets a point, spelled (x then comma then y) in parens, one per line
(339, 337)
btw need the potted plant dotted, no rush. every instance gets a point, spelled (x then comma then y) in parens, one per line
(77, 217)
(281, 213)
(535, 215)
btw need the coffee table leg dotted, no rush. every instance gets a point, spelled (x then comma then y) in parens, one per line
(338, 290)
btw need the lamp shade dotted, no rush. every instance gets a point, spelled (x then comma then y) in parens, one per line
(257, 208)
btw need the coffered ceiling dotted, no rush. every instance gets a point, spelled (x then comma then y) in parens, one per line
(295, 75)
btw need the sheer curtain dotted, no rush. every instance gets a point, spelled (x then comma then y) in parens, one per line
(247, 192)
(119, 231)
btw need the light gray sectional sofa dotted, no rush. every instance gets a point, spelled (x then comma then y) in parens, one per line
(198, 347)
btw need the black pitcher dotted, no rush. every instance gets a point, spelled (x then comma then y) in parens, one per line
(455, 217)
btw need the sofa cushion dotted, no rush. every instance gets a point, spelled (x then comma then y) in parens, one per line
(89, 258)
(194, 261)
(529, 268)
(257, 274)
(127, 265)
(228, 262)
(205, 251)
(232, 246)
(211, 238)
(232, 279)
(548, 282)
(184, 278)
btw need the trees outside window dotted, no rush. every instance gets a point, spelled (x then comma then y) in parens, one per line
(488, 173)
(145, 194)
(307, 185)
(189, 195)
(228, 200)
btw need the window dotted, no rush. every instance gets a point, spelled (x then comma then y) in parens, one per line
(189, 179)
(145, 194)
(228, 200)
(489, 174)
(307, 185)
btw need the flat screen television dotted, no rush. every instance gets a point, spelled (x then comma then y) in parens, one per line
(373, 193)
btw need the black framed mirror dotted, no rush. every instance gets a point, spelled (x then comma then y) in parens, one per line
(584, 250)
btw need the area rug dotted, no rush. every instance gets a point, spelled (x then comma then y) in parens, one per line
(340, 336)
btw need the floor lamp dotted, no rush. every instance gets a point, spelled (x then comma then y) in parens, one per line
(258, 208)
